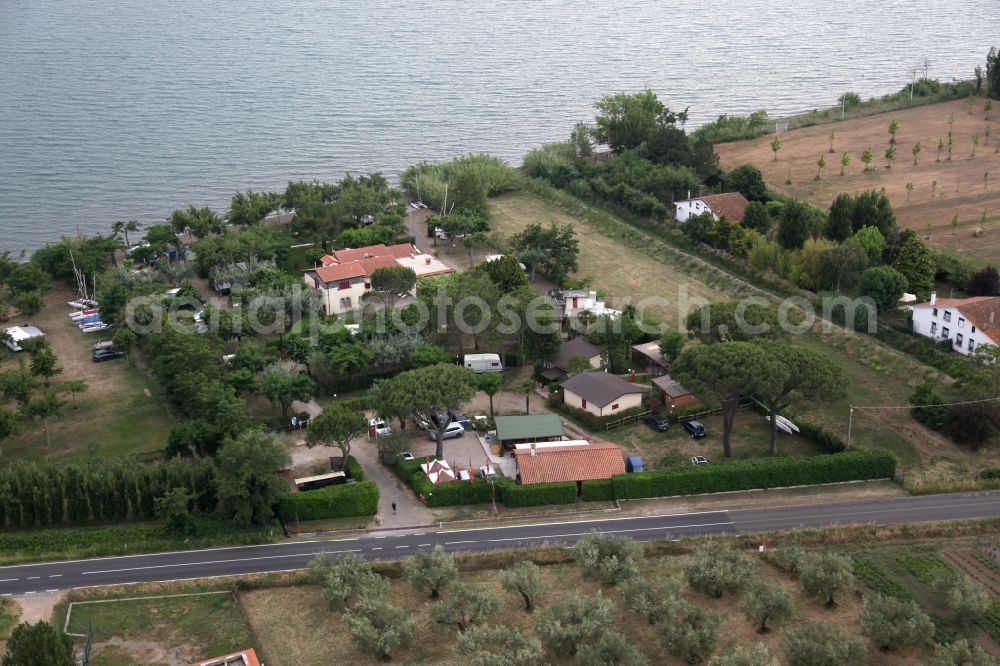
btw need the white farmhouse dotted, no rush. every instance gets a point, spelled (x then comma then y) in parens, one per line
(966, 322)
(730, 204)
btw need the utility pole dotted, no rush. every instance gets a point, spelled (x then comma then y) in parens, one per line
(850, 426)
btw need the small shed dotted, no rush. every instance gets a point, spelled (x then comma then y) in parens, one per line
(512, 430)
(648, 357)
(18, 334)
(673, 394)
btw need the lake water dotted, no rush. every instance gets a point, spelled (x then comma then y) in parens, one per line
(118, 109)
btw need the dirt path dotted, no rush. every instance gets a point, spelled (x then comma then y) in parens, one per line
(38, 606)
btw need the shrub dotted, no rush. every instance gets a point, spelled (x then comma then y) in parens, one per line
(767, 602)
(757, 473)
(592, 421)
(502, 646)
(932, 417)
(430, 571)
(568, 624)
(817, 643)
(963, 597)
(352, 468)
(537, 494)
(692, 632)
(829, 441)
(345, 578)
(349, 499)
(824, 575)
(598, 490)
(608, 558)
(715, 568)
(610, 649)
(651, 598)
(962, 653)
(466, 605)
(894, 623)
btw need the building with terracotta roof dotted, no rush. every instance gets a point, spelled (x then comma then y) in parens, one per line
(965, 322)
(344, 276)
(601, 393)
(732, 205)
(574, 461)
(243, 658)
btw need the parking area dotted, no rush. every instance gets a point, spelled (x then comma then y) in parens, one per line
(465, 452)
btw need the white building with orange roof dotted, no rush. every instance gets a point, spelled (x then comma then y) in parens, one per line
(966, 322)
(345, 275)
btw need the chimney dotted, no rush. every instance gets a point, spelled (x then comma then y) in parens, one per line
(933, 297)
(532, 449)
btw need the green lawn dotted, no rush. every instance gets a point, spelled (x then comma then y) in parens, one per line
(173, 629)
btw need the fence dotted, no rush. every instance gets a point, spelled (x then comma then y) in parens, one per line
(626, 419)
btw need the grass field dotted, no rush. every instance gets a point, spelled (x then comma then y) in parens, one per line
(876, 374)
(121, 413)
(960, 186)
(166, 631)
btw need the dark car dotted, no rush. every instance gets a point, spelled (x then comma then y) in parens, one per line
(457, 415)
(695, 429)
(101, 355)
(657, 422)
(421, 420)
(441, 417)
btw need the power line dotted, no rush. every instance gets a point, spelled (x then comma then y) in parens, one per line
(943, 404)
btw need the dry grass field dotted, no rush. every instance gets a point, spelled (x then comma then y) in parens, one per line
(928, 208)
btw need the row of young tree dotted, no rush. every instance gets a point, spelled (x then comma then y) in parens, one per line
(577, 625)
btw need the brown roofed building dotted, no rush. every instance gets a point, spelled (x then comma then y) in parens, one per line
(601, 393)
(244, 658)
(732, 205)
(966, 323)
(576, 462)
(558, 368)
(673, 394)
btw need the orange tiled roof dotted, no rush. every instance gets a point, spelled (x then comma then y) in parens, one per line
(953, 302)
(583, 462)
(249, 659)
(379, 250)
(984, 314)
(353, 269)
(730, 204)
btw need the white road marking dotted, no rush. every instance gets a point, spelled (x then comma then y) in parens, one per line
(55, 576)
(402, 547)
(8, 580)
(33, 577)
(195, 564)
(638, 529)
(378, 548)
(421, 545)
(455, 543)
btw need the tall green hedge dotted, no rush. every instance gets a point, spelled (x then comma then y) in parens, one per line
(757, 473)
(477, 491)
(349, 499)
(537, 494)
(352, 468)
(599, 490)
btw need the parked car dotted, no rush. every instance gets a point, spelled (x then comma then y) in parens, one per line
(451, 431)
(695, 429)
(699, 460)
(633, 465)
(457, 415)
(381, 427)
(441, 417)
(406, 455)
(657, 422)
(421, 420)
(487, 472)
(101, 355)
(464, 475)
(106, 344)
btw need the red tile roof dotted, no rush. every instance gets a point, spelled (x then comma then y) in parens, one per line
(984, 314)
(380, 250)
(954, 302)
(327, 260)
(247, 657)
(570, 463)
(730, 204)
(353, 269)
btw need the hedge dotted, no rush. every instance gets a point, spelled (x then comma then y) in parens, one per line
(591, 421)
(598, 490)
(538, 494)
(477, 491)
(758, 473)
(352, 468)
(341, 501)
(820, 436)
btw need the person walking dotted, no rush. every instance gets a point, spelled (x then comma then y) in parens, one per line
(394, 507)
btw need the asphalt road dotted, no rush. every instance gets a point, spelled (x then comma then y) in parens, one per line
(51, 576)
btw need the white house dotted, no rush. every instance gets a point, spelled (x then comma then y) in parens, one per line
(966, 322)
(730, 204)
(601, 393)
(571, 302)
(345, 276)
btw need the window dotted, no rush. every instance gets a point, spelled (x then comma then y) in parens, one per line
(972, 345)
(344, 285)
(947, 315)
(345, 302)
(933, 328)
(973, 329)
(945, 332)
(614, 406)
(961, 322)
(935, 312)
(958, 340)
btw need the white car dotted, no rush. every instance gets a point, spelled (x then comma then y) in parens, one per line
(451, 431)
(406, 455)
(487, 472)
(381, 427)
(463, 475)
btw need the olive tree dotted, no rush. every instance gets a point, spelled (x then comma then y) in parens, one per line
(466, 605)
(825, 575)
(525, 580)
(568, 624)
(608, 558)
(378, 628)
(610, 649)
(346, 579)
(963, 597)
(430, 571)
(651, 597)
(500, 646)
(962, 653)
(692, 632)
(894, 623)
(818, 643)
(755, 654)
(765, 603)
(715, 569)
